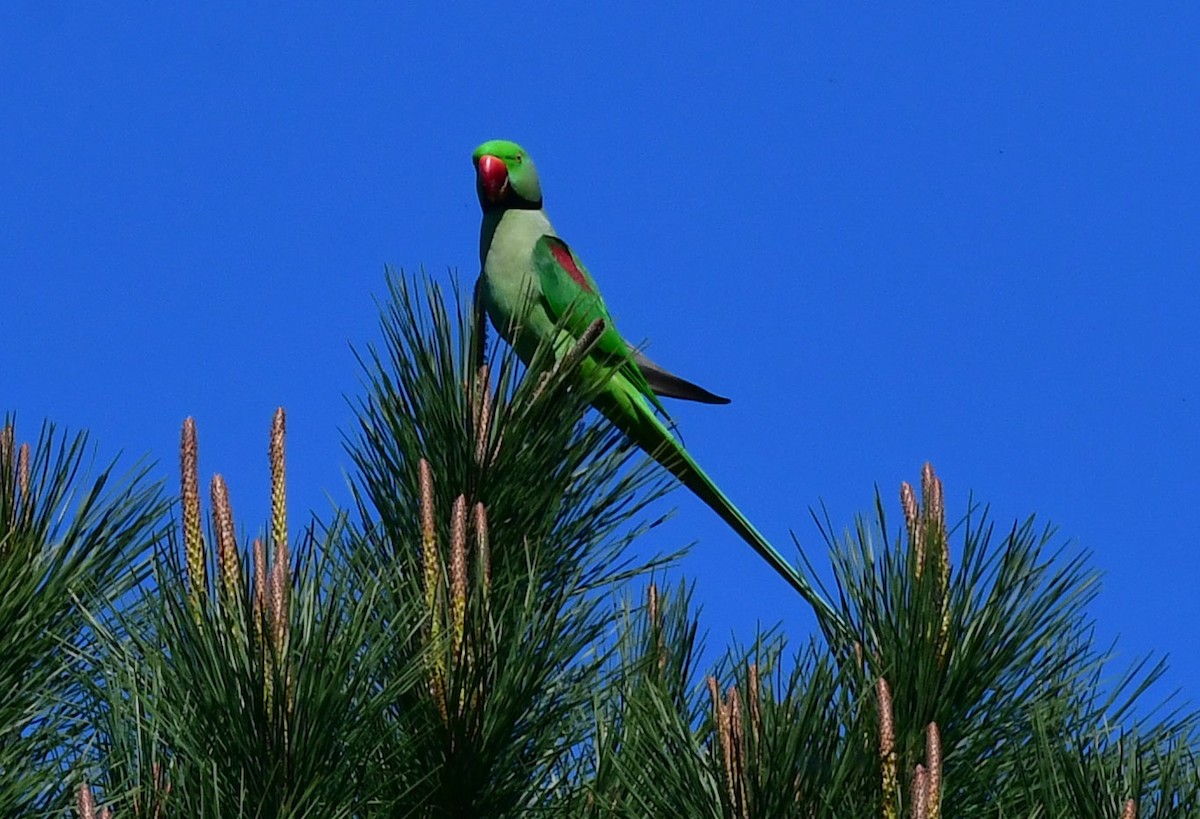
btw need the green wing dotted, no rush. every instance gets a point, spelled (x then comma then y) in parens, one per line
(572, 297)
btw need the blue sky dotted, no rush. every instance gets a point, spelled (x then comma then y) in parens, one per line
(892, 236)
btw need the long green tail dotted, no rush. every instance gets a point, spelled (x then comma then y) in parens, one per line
(648, 432)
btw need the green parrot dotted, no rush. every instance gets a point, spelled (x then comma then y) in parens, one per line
(536, 291)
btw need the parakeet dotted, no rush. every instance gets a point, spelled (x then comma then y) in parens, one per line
(536, 291)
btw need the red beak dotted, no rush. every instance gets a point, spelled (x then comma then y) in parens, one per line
(493, 177)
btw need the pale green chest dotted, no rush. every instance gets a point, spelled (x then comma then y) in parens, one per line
(511, 290)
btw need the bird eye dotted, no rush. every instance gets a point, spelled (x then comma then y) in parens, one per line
(517, 159)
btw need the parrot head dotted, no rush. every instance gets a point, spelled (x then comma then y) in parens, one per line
(505, 176)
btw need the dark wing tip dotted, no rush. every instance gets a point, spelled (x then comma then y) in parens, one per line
(668, 385)
(703, 396)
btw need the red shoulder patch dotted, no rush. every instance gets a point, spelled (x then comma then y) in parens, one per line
(563, 256)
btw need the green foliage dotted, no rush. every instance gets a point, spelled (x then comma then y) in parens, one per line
(1005, 667)
(768, 745)
(560, 508)
(195, 717)
(69, 544)
(473, 639)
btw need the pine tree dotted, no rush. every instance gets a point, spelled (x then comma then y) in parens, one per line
(472, 639)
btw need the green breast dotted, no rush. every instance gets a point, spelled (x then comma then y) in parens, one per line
(511, 290)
